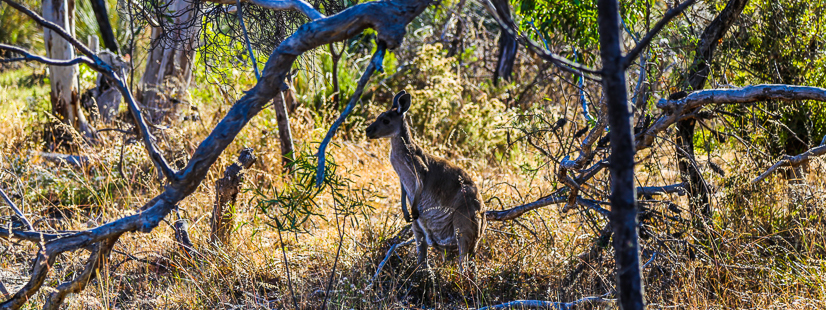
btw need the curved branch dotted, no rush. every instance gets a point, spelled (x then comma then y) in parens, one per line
(748, 94)
(505, 22)
(675, 109)
(375, 65)
(30, 57)
(646, 40)
(388, 18)
(793, 161)
(280, 5)
(541, 304)
(16, 210)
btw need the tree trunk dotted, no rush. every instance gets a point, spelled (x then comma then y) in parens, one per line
(285, 135)
(623, 192)
(507, 46)
(169, 67)
(102, 16)
(63, 79)
(699, 202)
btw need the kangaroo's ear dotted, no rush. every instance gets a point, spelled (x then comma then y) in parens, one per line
(395, 104)
(404, 103)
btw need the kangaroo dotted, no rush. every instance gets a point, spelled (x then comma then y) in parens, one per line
(446, 206)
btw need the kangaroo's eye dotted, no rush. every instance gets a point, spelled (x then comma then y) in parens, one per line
(385, 121)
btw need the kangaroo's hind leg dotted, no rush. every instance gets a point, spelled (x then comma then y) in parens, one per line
(466, 227)
(421, 245)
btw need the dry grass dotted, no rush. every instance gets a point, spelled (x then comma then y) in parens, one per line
(764, 249)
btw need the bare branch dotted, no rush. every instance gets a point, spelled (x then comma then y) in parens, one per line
(375, 65)
(384, 261)
(388, 18)
(281, 5)
(646, 40)
(101, 66)
(16, 210)
(541, 304)
(555, 198)
(793, 161)
(33, 236)
(678, 188)
(30, 57)
(505, 22)
(748, 94)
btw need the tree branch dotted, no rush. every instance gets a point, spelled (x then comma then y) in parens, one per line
(678, 188)
(101, 66)
(375, 65)
(33, 236)
(675, 109)
(792, 161)
(30, 57)
(281, 5)
(753, 93)
(16, 210)
(388, 18)
(541, 304)
(646, 40)
(505, 22)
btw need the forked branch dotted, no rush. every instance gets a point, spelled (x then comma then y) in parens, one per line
(646, 40)
(374, 65)
(792, 161)
(101, 66)
(281, 5)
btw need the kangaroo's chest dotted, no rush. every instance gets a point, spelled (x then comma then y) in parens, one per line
(407, 174)
(435, 218)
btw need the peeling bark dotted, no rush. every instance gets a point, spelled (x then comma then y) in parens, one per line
(226, 192)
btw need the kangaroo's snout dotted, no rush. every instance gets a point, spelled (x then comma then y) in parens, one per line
(371, 132)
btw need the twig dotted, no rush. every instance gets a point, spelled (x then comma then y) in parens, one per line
(646, 40)
(338, 254)
(16, 210)
(792, 161)
(29, 57)
(281, 5)
(247, 39)
(384, 261)
(650, 260)
(286, 264)
(375, 65)
(541, 304)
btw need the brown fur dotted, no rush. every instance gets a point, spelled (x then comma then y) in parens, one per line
(447, 207)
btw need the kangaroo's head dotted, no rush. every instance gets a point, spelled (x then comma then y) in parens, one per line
(389, 124)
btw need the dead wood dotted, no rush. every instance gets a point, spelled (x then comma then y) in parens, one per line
(226, 192)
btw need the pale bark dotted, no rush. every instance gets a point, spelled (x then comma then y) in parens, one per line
(169, 66)
(63, 79)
